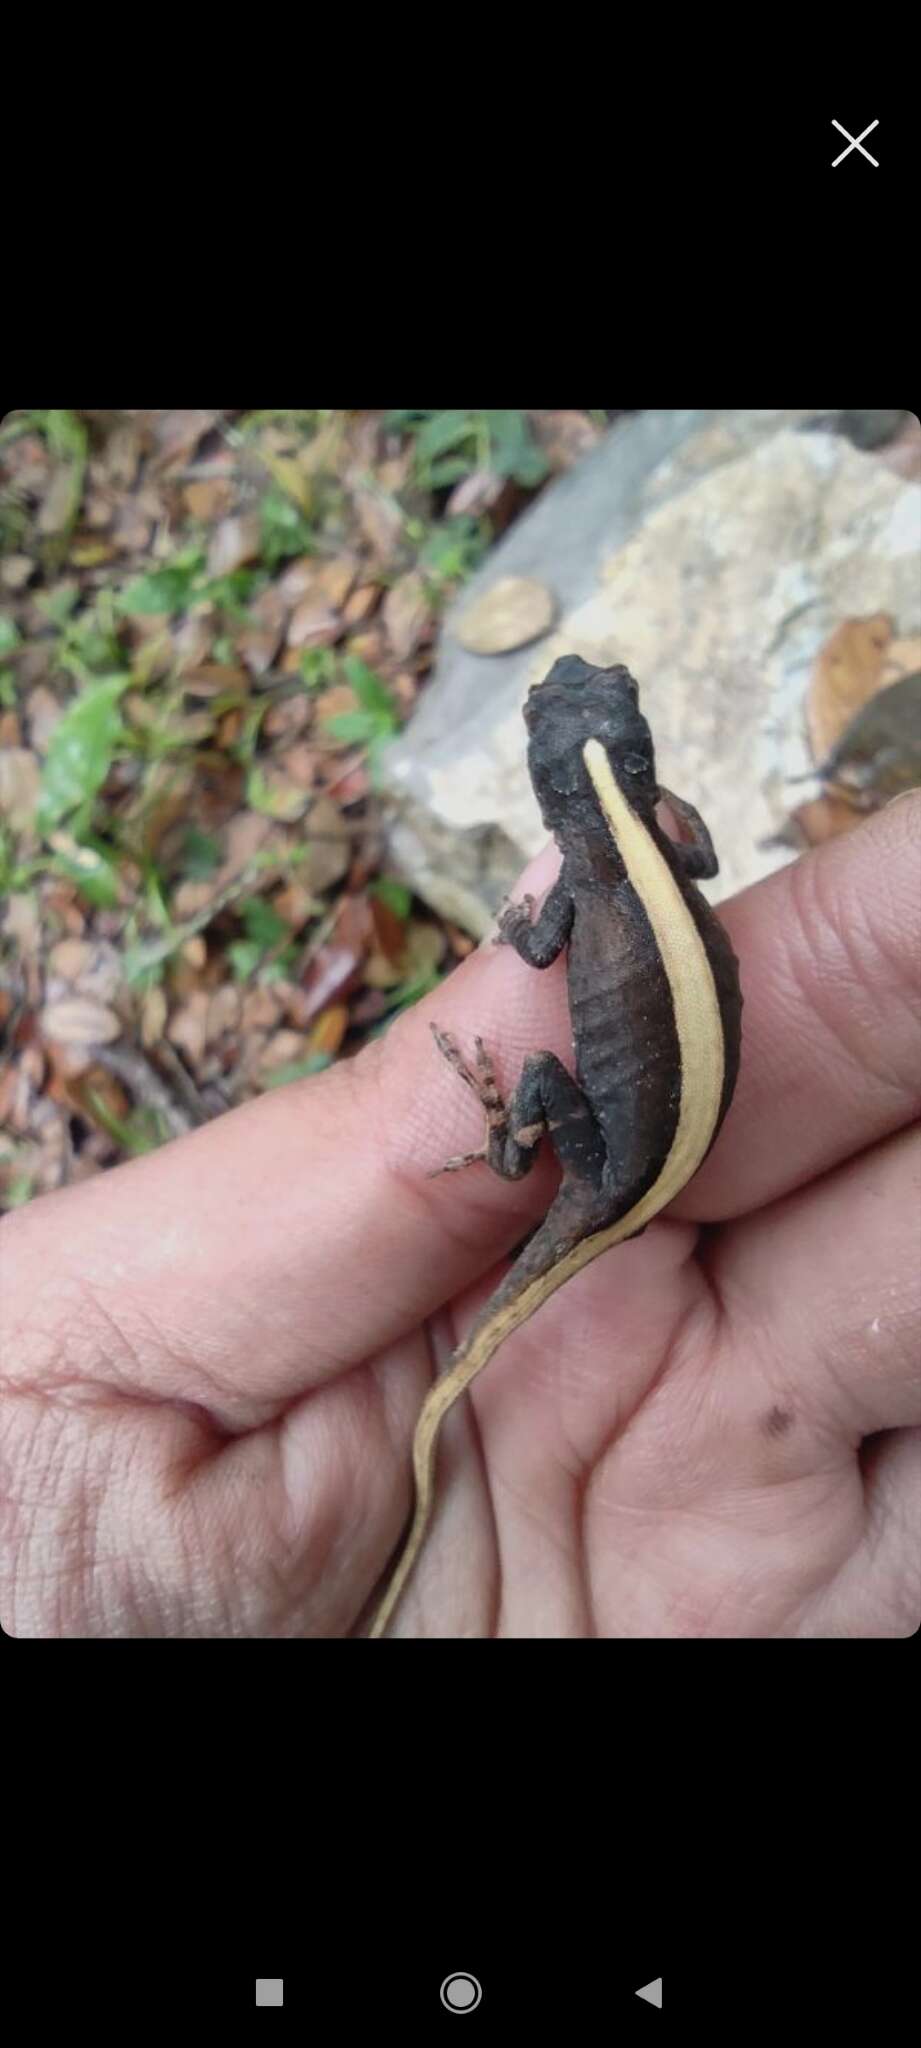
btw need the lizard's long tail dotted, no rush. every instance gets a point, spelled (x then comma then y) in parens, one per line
(509, 1307)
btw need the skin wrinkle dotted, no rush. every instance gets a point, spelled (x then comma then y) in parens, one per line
(824, 945)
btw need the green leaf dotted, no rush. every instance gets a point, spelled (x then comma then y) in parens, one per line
(10, 635)
(81, 750)
(356, 728)
(95, 874)
(162, 591)
(443, 430)
(19, 1190)
(57, 605)
(395, 894)
(263, 925)
(297, 1069)
(371, 692)
(244, 958)
(317, 665)
(201, 854)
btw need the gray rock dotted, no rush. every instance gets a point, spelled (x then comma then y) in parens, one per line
(713, 553)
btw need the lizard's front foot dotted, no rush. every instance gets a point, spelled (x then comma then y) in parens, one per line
(514, 918)
(482, 1083)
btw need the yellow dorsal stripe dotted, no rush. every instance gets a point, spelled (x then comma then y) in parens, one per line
(690, 977)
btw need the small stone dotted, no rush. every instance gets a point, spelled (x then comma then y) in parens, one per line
(515, 611)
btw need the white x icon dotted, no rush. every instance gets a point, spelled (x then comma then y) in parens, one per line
(854, 142)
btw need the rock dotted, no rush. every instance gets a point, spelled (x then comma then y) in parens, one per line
(714, 553)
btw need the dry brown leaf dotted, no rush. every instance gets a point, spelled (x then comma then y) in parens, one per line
(176, 436)
(302, 763)
(332, 703)
(390, 931)
(188, 1025)
(245, 836)
(80, 1021)
(69, 958)
(334, 579)
(329, 1031)
(381, 522)
(379, 972)
(295, 904)
(209, 500)
(280, 797)
(406, 614)
(297, 580)
(235, 541)
(286, 718)
(261, 1009)
(153, 1016)
(214, 679)
(20, 780)
(314, 624)
(282, 1048)
(189, 898)
(42, 711)
(565, 437)
(224, 1012)
(474, 494)
(258, 643)
(15, 571)
(230, 728)
(847, 673)
(515, 611)
(368, 646)
(361, 604)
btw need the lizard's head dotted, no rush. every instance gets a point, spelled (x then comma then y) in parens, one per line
(576, 703)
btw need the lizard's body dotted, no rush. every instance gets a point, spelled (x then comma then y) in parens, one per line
(655, 1010)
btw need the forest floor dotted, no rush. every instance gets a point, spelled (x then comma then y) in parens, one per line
(211, 625)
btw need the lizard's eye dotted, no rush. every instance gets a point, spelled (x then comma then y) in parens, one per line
(635, 764)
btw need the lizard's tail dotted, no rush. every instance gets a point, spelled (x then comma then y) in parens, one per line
(542, 1270)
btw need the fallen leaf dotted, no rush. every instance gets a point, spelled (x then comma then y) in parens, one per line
(80, 1021)
(192, 642)
(406, 614)
(846, 675)
(224, 1012)
(282, 1047)
(286, 718)
(215, 679)
(235, 541)
(381, 522)
(334, 579)
(92, 967)
(20, 781)
(515, 611)
(297, 580)
(328, 1032)
(188, 1026)
(261, 1009)
(314, 624)
(367, 646)
(15, 571)
(329, 846)
(43, 712)
(259, 641)
(302, 763)
(176, 436)
(275, 794)
(390, 932)
(361, 604)
(474, 494)
(153, 1016)
(295, 904)
(210, 500)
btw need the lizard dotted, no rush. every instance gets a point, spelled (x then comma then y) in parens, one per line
(655, 1010)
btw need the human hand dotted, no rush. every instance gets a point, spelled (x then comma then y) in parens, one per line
(213, 1358)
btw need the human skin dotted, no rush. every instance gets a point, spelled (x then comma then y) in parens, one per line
(212, 1359)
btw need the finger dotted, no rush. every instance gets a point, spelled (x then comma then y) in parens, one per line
(281, 1244)
(877, 1591)
(830, 951)
(821, 1294)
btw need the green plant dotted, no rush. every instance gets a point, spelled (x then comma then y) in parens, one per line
(285, 531)
(375, 725)
(451, 445)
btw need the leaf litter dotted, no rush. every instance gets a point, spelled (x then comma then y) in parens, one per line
(212, 625)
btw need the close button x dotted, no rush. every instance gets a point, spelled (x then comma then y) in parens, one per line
(854, 142)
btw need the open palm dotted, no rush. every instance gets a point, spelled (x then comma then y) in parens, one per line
(212, 1360)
